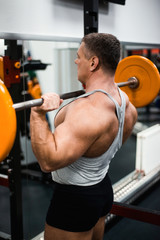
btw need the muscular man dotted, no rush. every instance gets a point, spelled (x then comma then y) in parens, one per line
(88, 132)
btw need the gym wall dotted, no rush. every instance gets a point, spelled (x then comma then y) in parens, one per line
(136, 21)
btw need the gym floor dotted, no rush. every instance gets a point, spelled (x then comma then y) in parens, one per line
(36, 196)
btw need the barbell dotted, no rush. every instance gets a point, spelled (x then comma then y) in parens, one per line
(138, 76)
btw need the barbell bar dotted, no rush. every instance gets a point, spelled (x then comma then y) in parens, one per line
(132, 82)
(138, 76)
(39, 102)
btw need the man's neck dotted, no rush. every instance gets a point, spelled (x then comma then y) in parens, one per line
(98, 80)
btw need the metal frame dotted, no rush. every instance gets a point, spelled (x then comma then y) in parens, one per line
(91, 8)
(38, 37)
(34, 37)
(136, 213)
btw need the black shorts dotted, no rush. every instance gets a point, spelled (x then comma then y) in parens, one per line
(77, 208)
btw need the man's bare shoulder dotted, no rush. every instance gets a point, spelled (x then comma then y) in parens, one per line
(90, 105)
(81, 109)
(91, 114)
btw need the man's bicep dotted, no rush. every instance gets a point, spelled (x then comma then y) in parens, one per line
(73, 140)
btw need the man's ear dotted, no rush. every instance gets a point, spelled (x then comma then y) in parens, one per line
(94, 62)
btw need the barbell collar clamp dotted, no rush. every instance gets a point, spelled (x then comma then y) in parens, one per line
(132, 82)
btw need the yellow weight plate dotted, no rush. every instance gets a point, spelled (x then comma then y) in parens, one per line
(8, 124)
(36, 91)
(147, 74)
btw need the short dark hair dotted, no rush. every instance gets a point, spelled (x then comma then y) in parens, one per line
(106, 47)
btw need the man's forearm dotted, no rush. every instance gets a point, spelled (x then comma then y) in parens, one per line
(41, 137)
(39, 127)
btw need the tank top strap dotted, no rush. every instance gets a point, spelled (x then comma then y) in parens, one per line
(122, 113)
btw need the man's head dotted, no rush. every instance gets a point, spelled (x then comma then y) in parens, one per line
(104, 46)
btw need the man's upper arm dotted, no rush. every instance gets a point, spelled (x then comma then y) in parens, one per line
(74, 136)
(130, 120)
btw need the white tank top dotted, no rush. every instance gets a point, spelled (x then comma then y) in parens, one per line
(89, 171)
